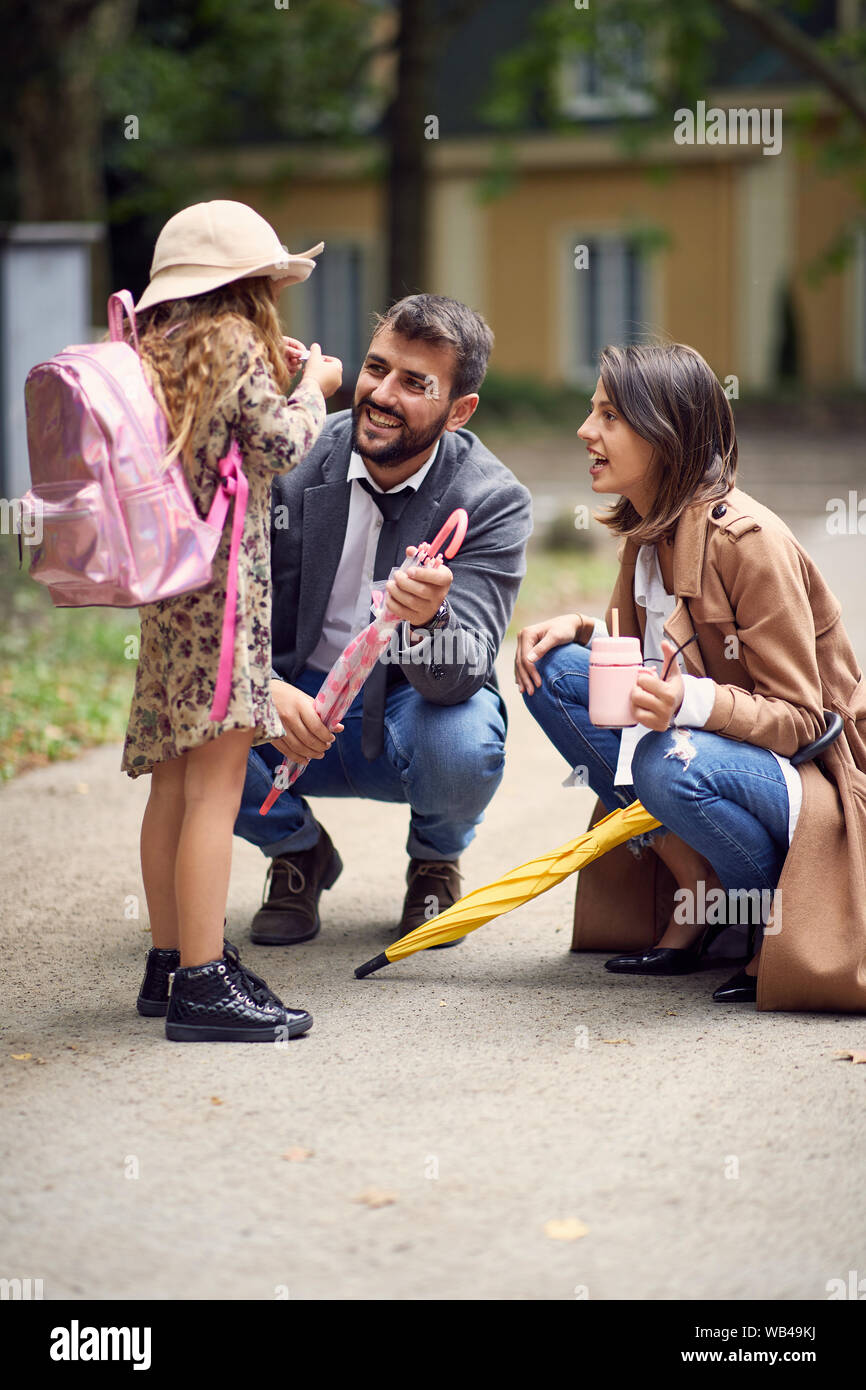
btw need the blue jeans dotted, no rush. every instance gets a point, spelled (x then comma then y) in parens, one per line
(730, 801)
(444, 761)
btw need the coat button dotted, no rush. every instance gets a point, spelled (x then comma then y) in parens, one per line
(719, 511)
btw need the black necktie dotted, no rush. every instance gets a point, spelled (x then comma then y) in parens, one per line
(391, 505)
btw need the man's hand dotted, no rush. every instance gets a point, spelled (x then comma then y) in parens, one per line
(416, 595)
(535, 640)
(654, 702)
(306, 736)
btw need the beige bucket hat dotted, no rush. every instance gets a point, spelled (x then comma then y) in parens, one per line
(212, 244)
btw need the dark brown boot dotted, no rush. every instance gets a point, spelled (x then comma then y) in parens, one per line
(434, 884)
(291, 911)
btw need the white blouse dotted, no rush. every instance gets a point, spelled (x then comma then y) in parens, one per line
(699, 691)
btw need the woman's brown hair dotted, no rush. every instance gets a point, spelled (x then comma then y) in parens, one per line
(192, 380)
(671, 398)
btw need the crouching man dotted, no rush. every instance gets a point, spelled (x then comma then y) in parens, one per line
(428, 727)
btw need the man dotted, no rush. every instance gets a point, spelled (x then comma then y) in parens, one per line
(428, 728)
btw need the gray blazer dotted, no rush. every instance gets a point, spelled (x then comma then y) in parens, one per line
(310, 511)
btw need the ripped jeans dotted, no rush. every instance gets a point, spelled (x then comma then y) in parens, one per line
(728, 800)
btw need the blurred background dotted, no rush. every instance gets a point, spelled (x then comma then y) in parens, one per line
(526, 156)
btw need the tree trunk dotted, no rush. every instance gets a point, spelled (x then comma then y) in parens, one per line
(52, 96)
(407, 191)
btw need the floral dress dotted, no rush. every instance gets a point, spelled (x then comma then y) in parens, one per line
(180, 637)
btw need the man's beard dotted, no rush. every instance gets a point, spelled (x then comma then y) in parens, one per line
(408, 444)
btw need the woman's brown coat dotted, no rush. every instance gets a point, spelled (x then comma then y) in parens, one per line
(770, 635)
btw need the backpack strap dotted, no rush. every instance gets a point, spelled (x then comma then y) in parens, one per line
(118, 305)
(233, 484)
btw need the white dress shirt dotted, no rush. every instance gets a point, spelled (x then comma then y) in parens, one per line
(698, 691)
(348, 610)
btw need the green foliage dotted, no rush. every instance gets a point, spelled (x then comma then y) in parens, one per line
(211, 75)
(65, 681)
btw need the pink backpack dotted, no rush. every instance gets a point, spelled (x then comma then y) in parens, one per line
(118, 528)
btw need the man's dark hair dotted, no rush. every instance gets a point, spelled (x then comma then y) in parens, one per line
(436, 319)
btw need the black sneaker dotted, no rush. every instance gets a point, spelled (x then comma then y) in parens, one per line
(161, 964)
(222, 1001)
(152, 999)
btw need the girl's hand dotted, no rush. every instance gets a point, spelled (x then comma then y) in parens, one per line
(327, 372)
(293, 349)
(654, 702)
(305, 736)
(535, 640)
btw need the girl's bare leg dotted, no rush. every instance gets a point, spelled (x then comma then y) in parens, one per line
(160, 832)
(213, 785)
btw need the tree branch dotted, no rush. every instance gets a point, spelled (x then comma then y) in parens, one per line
(788, 39)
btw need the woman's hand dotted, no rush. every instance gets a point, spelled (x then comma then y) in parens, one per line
(654, 702)
(326, 372)
(535, 640)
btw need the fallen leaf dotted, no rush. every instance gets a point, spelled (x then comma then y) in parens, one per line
(215, 1100)
(298, 1155)
(21, 1056)
(72, 1047)
(441, 1003)
(40, 1061)
(568, 1229)
(855, 1056)
(614, 1041)
(373, 1197)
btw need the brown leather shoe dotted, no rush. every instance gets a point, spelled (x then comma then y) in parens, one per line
(291, 912)
(434, 884)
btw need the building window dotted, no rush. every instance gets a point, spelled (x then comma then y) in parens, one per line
(334, 306)
(607, 299)
(597, 88)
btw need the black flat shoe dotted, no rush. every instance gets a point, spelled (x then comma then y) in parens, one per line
(739, 989)
(662, 960)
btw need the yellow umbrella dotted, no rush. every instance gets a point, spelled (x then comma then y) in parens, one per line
(517, 887)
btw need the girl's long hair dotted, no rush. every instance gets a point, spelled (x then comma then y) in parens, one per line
(193, 381)
(671, 398)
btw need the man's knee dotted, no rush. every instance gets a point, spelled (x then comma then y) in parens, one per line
(464, 742)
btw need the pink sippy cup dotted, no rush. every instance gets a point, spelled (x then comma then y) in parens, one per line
(614, 663)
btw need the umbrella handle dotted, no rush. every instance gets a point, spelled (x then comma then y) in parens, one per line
(458, 522)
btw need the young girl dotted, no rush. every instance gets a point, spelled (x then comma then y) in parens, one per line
(710, 755)
(212, 346)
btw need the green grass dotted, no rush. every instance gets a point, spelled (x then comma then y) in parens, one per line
(65, 681)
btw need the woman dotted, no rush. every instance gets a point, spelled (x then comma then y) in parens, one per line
(762, 654)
